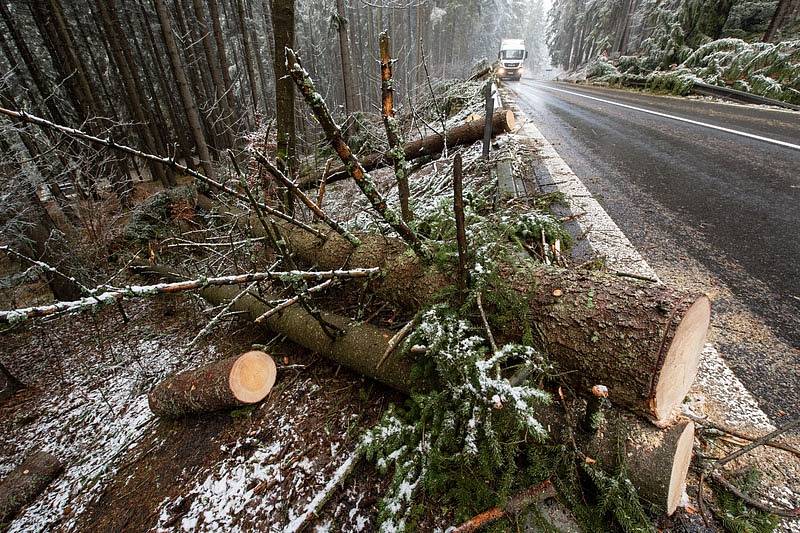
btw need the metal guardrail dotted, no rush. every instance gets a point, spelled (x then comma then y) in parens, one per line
(717, 91)
(740, 96)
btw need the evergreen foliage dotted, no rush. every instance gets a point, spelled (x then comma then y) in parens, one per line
(150, 219)
(738, 517)
(462, 443)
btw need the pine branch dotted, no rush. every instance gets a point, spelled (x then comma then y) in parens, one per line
(354, 168)
(15, 316)
(169, 162)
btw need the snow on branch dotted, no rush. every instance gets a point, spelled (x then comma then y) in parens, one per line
(111, 143)
(114, 295)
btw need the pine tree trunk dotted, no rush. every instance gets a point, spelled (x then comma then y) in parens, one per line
(225, 114)
(179, 129)
(190, 108)
(137, 105)
(283, 31)
(344, 52)
(783, 14)
(26, 482)
(39, 79)
(222, 55)
(248, 54)
(233, 382)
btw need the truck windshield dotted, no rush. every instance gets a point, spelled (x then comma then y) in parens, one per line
(512, 54)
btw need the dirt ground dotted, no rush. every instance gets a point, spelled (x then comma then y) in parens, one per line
(251, 469)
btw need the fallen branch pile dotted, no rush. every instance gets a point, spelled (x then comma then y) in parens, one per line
(638, 343)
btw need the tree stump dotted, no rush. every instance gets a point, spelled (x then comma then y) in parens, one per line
(242, 380)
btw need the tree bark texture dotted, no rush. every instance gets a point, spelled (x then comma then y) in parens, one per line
(656, 460)
(344, 51)
(783, 15)
(213, 387)
(283, 31)
(248, 54)
(598, 328)
(393, 134)
(26, 482)
(502, 122)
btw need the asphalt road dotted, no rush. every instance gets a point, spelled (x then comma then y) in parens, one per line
(726, 201)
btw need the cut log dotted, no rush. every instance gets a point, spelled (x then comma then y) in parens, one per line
(242, 380)
(656, 460)
(502, 122)
(26, 482)
(641, 340)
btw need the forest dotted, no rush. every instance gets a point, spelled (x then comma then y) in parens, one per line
(285, 264)
(746, 45)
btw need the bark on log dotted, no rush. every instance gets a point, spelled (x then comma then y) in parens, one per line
(641, 340)
(233, 382)
(502, 122)
(26, 482)
(657, 460)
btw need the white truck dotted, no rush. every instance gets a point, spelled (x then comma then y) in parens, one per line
(512, 55)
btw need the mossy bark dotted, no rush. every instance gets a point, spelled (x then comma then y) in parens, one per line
(200, 390)
(26, 482)
(598, 328)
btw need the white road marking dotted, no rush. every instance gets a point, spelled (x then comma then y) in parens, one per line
(680, 119)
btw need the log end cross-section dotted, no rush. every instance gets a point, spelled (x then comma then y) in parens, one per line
(252, 376)
(241, 380)
(682, 358)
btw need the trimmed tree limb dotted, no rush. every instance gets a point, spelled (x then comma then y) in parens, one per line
(502, 122)
(138, 291)
(233, 382)
(641, 340)
(351, 162)
(171, 163)
(26, 482)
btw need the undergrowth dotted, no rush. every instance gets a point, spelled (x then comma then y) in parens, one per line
(738, 517)
(474, 439)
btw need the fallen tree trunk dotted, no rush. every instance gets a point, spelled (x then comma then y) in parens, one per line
(657, 460)
(641, 340)
(26, 482)
(233, 382)
(502, 122)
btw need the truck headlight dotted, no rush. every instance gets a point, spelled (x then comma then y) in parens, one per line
(501, 70)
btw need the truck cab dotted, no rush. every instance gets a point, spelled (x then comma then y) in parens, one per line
(512, 55)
